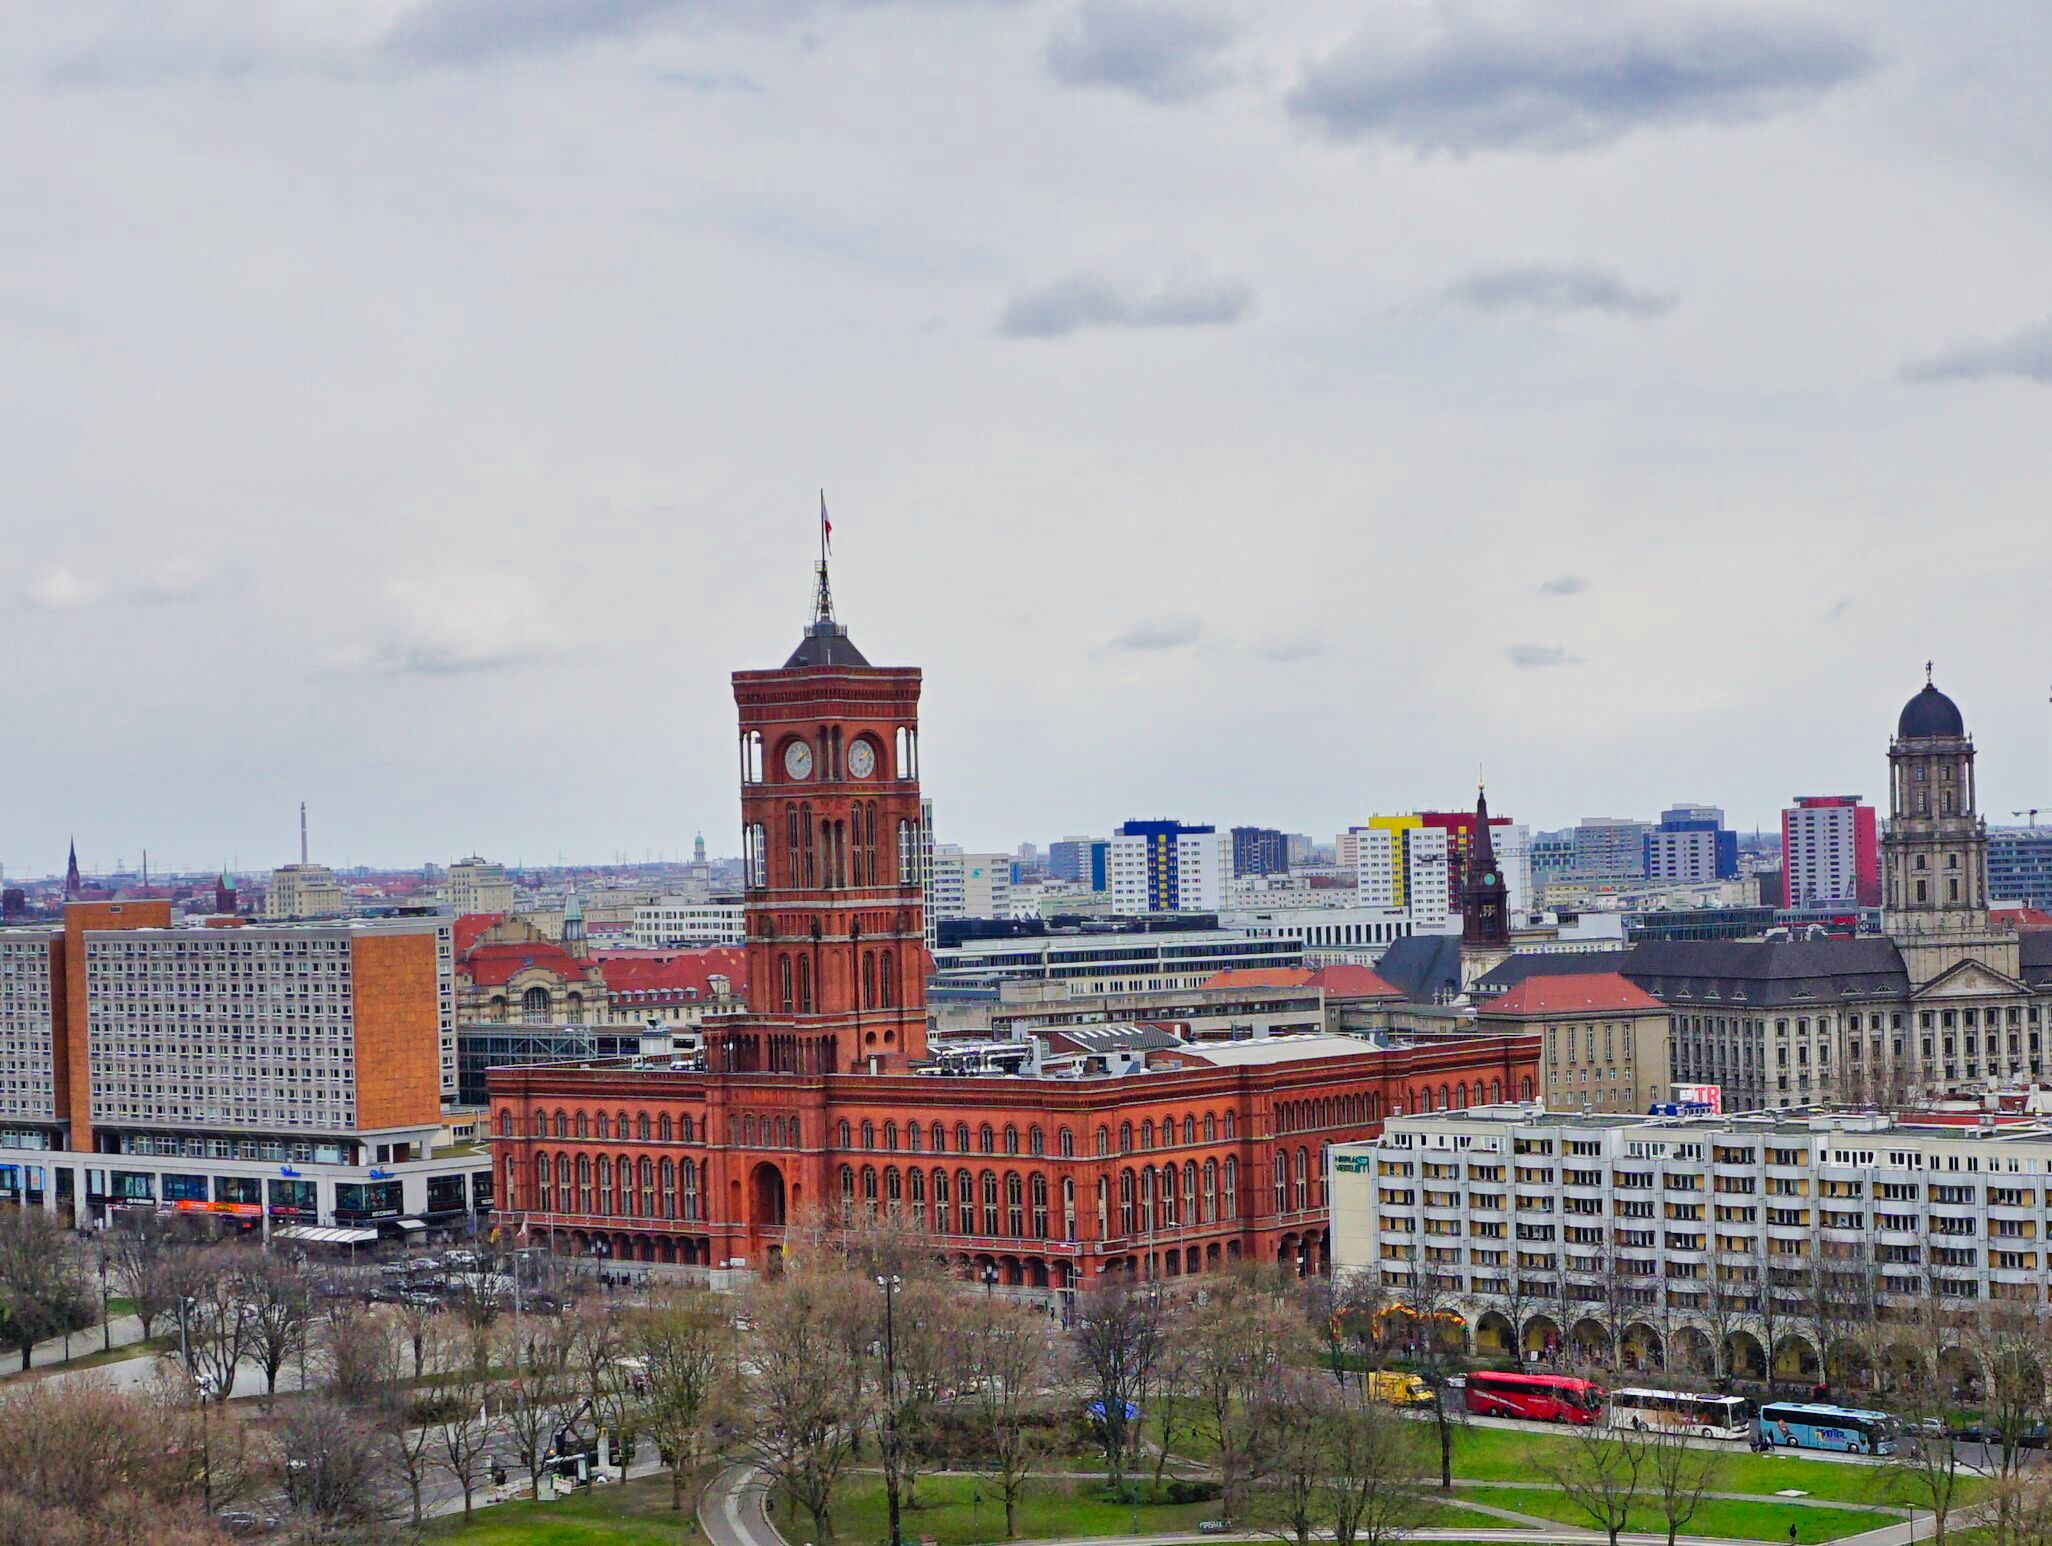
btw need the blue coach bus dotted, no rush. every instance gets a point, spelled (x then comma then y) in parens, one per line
(1804, 1425)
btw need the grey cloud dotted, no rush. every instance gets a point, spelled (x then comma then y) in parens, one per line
(1838, 609)
(1289, 647)
(179, 578)
(1557, 77)
(65, 588)
(2026, 352)
(1563, 585)
(1092, 300)
(446, 625)
(1169, 632)
(61, 588)
(469, 31)
(1163, 52)
(1534, 656)
(1543, 287)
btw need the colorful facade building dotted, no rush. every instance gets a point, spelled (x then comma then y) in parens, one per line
(1044, 1163)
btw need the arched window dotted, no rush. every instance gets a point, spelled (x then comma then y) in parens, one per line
(916, 1183)
(1210, 1127)
(748, 1130)
(1036, 1142)
(1189, 1191)
(641, 1126)
(1011, 1139)
(584, 1182)
(941, 1221)
(541, 1179)
(785, 997)
(908, 855)
(1229, 1199)
(1167, 1203)
(990, 1202)
(869, 1188)
(939, 1139)
(583, 1130)
(1303, 1193)
(1015, 1200)
(1189, 1129)
(1525, 1088)
(869, 979)
(605, 1183)
(1147, 1134)
(1125, 1138)
(891, 1136)
(688, 1138)
(809, 869)
(915, 1137)
(1210, 1205)
(1232, 1127)
(1039, 1206)
(961, 1137)
(1104, 1140)
(986, 1140)
(1065, 1144)
(1103, 1208)
(1126, 1202)
(894, 1189)
(868, 1135)
(887, 979)
(805, 985)
(691, 1173)
(847, 1191)
(605, 1125)
(1282, 1181)
(534, 1005)
(965, 1203)
(505, 1121)
(1495, 1092)
(1069, 1207)
(668, 1172)
(844, 1134)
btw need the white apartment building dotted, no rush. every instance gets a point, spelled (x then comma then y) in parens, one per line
(1665, 1236)
(1404, 868)
(1163, 867)
(1329, 935)
(1115, 962)
(675, 922)
(476, 885)
(967, 885)
(302, 891)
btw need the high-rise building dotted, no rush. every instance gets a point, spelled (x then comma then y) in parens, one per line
(1691, 846)
(2020, 866)
(1401, 863)
(476, 885)
(967, 885)
(1830, 854)
(1260, 851)
(1081, 861)
(1167, 867)
(1610, 848)
(287, 1073)
(299, 891)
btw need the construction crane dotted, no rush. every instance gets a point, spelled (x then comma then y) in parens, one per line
(2032, 813)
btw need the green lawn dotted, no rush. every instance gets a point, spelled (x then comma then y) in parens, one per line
(1748, 1521)
(1506, 1455)
(956, 1510)
(637, 1514)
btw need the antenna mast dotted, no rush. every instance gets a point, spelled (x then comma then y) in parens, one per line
(302, 833)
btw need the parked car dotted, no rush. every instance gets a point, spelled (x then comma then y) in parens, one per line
(1214, 1527)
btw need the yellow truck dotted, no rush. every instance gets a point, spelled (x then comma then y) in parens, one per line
(1399, 1389)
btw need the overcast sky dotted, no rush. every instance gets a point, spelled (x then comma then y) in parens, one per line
(1246, 413)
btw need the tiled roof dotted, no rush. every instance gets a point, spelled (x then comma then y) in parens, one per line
(490, 966)
(470, 927)
(1346, 980)
(1583, 993)
(1259, 977)
(674, 971)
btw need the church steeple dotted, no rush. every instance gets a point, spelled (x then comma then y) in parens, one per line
(73, 884)
(1485, 896)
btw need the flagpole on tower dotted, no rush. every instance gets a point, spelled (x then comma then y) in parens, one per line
(825, 607)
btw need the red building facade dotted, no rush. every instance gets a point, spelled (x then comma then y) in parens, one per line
(809, 1109)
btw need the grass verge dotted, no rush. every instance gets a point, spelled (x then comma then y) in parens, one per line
(1765, 1521)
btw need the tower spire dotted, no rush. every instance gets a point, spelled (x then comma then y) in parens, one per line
(72, 882)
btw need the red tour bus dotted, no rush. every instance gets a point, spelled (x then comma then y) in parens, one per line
(1546, 1398)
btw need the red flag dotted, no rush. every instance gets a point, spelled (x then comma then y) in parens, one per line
(826, 527)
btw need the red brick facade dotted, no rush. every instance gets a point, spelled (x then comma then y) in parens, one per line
(807, 1106)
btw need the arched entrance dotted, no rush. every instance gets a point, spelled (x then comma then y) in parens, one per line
(1641, 1347)
(1493, 1334)
(766, 1196)
(1744, 1356)
(1542, 1336)
(1693, 1353)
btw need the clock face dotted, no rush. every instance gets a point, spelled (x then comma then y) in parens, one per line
(798, 760)
(1489, 879)
(861, 759)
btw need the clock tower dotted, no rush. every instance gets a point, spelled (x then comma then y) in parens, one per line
(830, 842)
(1485, 896)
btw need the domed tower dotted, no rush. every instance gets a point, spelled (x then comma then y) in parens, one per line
(1935, 856)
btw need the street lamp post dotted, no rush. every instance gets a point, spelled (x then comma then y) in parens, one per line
(889, 1284)
(106, 1327)
(990, 1277)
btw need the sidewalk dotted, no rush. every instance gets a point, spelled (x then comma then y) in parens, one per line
(123, 1331)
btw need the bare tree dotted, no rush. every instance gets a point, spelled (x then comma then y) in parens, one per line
(800, 1422)
(1117, 1330)
(276, 1307)
(1291, 1423)
(1237, 1341)
(213, 1333)
(2020, 1508)
(1602, 1472)
(354, 1347)
(1429, 1320)
(1929, 1460)
(2008, 1339)
(338, 1477)
(85, 1465)
(1371, 1465)
(683, 1355)
(1010, 1361)
(540, 1387)
(41, 1292)
(138, 1246)
(1679, 1476)
(464, 1432)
